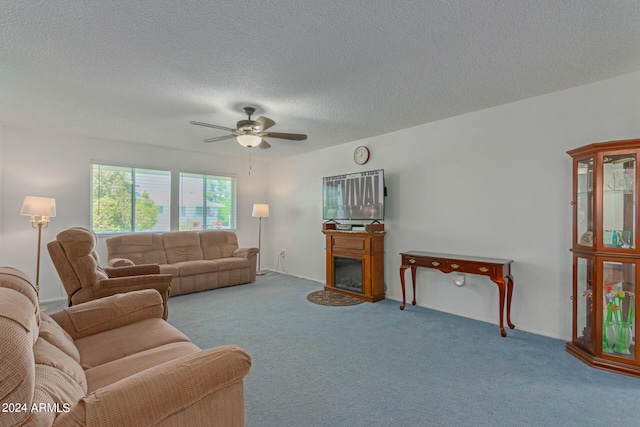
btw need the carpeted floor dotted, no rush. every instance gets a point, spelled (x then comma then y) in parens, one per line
(374, 365)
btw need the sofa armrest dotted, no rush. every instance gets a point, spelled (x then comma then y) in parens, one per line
(162, 280)
(245, 252)
(174, 389)
(132, 270)
(159, 282)
(111, 312)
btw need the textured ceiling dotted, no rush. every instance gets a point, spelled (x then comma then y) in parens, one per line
(140, 70)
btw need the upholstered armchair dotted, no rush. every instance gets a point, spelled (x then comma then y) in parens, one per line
(74, 257)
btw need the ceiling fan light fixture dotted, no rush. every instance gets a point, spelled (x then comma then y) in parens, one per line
(248, 140)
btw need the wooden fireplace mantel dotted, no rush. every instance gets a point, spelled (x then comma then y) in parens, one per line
(364, 246)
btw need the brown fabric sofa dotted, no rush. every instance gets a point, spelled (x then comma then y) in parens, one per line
(110, 362)
(197, 260)
(78, 265)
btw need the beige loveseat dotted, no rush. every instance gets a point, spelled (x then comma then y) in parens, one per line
(110, 362)
(197, 260)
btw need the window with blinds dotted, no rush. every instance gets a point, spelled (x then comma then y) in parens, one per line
(207, 202)
(126, 199)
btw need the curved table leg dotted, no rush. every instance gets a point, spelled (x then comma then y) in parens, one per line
(413, 280)
(509, 294)
(404, 300)
(501, 290)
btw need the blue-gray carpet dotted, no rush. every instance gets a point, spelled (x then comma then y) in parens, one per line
(374, 365)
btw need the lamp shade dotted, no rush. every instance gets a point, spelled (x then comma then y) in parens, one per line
(34, 206)
(260, 210)
(248, 140)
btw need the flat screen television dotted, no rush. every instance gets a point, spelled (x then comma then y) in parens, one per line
(354, 196)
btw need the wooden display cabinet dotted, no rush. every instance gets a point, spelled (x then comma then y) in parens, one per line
(606, 255)
(355, 263)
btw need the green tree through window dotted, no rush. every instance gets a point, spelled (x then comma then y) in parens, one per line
(129, 199)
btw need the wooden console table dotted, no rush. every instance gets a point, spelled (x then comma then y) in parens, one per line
(498, 270)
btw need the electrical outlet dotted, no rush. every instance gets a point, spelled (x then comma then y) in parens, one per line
(282, 253)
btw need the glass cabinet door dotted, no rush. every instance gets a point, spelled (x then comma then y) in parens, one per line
(584, 304)
(619, 201)
(584, 202)
(618, 306)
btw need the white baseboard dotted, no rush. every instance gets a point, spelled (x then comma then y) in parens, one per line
(51, 300)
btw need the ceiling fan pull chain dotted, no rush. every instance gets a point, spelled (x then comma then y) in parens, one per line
(249, 163)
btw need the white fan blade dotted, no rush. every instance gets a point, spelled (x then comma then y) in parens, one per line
(265, 122)
(219, 138)
(212, 126)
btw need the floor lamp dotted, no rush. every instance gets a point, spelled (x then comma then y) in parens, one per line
(41, 210)
(260, 211)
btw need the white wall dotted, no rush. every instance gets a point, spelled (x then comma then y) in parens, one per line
(38, 163)
(494, 183)
(491, 183)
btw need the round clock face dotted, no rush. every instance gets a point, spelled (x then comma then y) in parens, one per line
(361, 155)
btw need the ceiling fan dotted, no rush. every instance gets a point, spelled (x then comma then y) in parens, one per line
(249, 133)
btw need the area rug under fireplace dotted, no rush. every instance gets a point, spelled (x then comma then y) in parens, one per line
(332, 298)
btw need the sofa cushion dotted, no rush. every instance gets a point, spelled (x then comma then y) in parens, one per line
(47, 354)
(18, 309)
(225, 264)
(51, 332)
(110, 372)
(169, 269)
(44, 317)
(12, 278)
(182, 246)
(140, 248)
(19, 332)
(116, 343)
(56, 389)
(190, 268)
(218, 244)
(78, 244)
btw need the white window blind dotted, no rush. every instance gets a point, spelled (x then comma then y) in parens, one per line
(207, 202)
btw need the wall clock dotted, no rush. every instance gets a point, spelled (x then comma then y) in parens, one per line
(361, 155)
